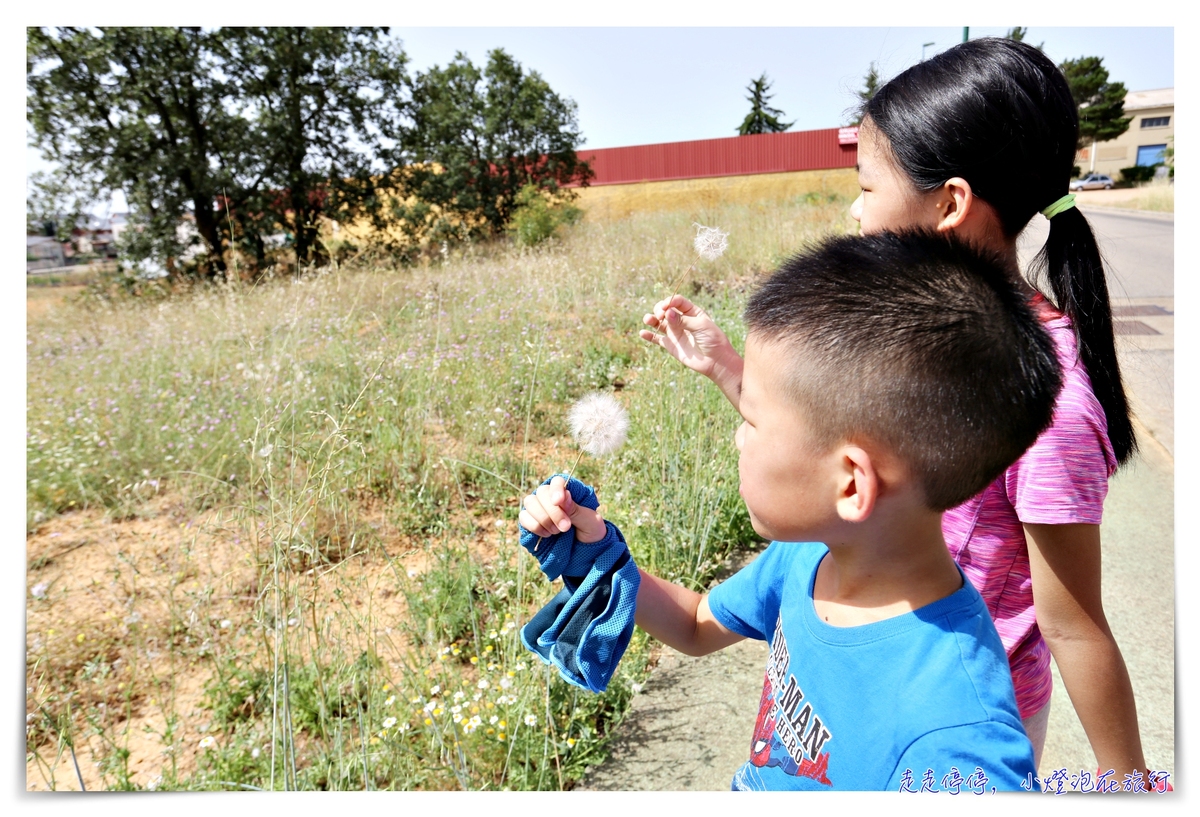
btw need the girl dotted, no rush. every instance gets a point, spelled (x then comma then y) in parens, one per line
(977, 140)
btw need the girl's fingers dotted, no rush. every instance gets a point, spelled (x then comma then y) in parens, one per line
(652, 337)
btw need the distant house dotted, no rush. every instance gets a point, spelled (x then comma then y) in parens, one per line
(1150, 133)
(43, 252)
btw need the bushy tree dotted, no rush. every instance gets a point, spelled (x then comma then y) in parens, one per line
(477, 137)
(762, 117)
(325, 106)
(1101, 102)
(55, 205)
(141, 110)
(251, 131)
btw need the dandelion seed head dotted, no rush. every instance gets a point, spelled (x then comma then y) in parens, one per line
(598, 423)
(710, 242)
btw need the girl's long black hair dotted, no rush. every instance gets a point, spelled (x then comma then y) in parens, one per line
(999, 113)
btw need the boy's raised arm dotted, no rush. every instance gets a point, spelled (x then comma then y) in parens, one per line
(679, 617)
(695, 340)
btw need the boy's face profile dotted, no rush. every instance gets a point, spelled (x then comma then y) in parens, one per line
(788, 481)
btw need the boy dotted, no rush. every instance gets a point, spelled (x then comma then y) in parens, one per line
(887, 378)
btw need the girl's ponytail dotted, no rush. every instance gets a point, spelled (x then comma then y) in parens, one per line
(1071, 264)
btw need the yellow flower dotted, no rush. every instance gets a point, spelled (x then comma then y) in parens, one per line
(474, 659)
(374, 740)
(428, 722)
(501, 736)
(490, 705)
(488, 648)
(570, 741)
(80, 638)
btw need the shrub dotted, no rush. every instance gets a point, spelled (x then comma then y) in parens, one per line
(1133, 175)
(537, 217)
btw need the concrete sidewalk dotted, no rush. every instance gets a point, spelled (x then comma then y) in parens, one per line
(691, 727)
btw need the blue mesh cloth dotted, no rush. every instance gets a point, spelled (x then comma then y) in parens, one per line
(585, 629)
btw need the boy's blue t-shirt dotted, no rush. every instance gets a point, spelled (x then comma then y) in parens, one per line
(921, 700)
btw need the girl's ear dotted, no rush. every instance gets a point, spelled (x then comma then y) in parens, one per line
(858, 485)
(955, 203)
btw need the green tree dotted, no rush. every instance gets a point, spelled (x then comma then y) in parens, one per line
(871, 83)
(139, 110)
(1101, 103)
(264, 128)
(476, 138)
(1017, 33)
(762, 117)
(55, 205)
(326, 107)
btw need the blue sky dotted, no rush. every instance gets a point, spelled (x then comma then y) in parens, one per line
(644, 85)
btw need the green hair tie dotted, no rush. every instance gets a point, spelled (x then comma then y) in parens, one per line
(1065, 203)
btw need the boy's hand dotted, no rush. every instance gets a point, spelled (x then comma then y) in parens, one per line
(550, 511)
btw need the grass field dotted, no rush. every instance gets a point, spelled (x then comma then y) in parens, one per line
(271, 537)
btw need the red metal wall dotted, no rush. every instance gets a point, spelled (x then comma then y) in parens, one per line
(732, 156)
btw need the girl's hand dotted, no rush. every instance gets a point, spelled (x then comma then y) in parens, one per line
(689, 334)
(695, 340)
(550, 511)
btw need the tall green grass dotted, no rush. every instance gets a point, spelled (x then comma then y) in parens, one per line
(287, 411)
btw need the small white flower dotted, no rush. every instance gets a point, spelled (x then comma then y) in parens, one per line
(436, 689)
(391, 700)
(226, 624)
(388, 723)
(492, 720)
(598, 423)
(505, 683)
(636, 688)
(39, 590)
(710, 242)
(429, 707)
(255, 752)
(531, 720)
(456, 708)
(266, 450)
(207, 742)
(458, 696)
(483, 683)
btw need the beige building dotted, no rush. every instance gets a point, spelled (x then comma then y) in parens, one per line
(1151, 131)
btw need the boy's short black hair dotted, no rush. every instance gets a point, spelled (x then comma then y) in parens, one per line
(918, 342)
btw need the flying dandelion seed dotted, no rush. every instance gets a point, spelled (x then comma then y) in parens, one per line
(598, 423)
(710, 242)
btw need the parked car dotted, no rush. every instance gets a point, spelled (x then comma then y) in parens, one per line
(1092, 181)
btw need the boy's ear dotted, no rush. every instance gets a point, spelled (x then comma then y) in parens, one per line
(954, 201)
(858, 485)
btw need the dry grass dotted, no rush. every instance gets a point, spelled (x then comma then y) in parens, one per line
(266, 523)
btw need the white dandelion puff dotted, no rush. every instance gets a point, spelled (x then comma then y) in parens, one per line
(598, 423)
(710, 242)
(39, 590)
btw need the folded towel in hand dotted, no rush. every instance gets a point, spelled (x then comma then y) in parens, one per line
(585, 629)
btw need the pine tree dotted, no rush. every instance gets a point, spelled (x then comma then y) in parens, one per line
(871, 83)
(762, 117)
(1101, 103)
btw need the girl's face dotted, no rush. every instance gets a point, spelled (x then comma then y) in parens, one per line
(888, 200)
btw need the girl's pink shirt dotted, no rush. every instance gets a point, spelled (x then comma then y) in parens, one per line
(1061, 479)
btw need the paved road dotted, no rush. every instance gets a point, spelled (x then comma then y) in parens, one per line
(691, 727)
